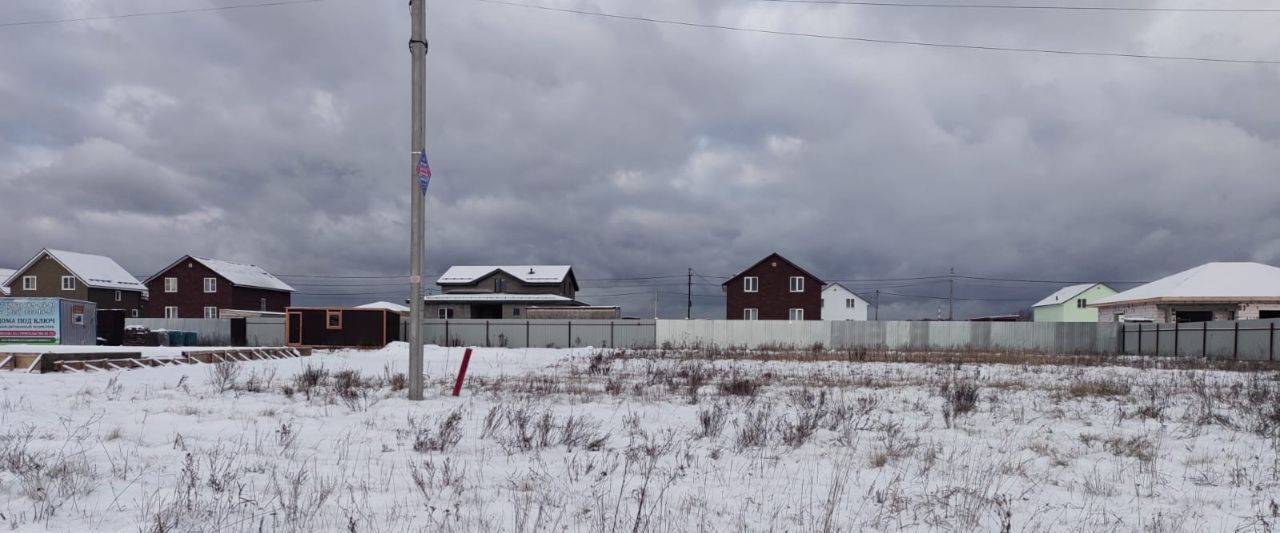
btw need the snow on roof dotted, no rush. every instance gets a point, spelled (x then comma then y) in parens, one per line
(525, 273)
(244, 275)
(5, 274)
(96, 271)
(385, 305)
(1210, 280)
(495, 297)
(1064, 294)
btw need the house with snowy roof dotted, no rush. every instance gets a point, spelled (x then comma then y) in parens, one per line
(76, 276)
(1071, 304)
(501, 291)
(1213, 291)
(200, 287)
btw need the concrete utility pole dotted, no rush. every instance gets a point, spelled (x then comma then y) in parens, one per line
(877, 304)
(688, 310)
(951, 296)
(418, 103)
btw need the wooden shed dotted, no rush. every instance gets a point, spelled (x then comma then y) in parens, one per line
(339, 327)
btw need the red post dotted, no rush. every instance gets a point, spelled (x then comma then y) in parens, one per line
(462, 372)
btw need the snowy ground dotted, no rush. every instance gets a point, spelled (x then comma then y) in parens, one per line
(576, 440)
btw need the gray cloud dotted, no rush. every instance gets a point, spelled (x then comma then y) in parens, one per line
(279, 136)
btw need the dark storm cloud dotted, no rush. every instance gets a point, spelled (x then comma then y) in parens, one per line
(278, 136)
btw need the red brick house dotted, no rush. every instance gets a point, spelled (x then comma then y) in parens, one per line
(773, 289)
(199, 287)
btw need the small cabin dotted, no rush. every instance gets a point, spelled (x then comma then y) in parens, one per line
(338, 327)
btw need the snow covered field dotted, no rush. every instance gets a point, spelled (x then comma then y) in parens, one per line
(580, 440)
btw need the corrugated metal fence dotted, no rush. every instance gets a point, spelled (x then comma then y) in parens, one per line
(538, 333)
(1245, 340)
(212, 331)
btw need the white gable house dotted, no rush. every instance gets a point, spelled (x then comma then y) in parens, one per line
(840, 303)
(1213, 291)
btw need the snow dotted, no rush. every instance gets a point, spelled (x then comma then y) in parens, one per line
(244, 275)
(525, 273)
(385, 305)
(1064, 294)
(495, 297)
(1176, 452)
(97, 271)
(5, 274)
(1211, 280)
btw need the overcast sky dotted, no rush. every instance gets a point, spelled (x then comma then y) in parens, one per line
(279, 136)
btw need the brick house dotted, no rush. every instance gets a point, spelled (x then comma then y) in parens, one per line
(77, 276)
(1212, 291)
(773, 289)
(199, 287)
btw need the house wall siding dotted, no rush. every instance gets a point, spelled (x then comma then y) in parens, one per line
(49, 273)
(774, 299)
(191, 298)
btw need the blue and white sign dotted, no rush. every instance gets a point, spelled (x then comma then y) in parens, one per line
(29, 321)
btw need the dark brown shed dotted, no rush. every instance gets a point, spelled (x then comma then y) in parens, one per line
(336, 327)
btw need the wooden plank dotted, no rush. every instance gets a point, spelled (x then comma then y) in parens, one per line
(36, 364)
(4, 363)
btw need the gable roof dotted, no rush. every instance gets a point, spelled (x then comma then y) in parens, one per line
(390, 306)
(238, 274)
(5, 274)
(1066, 294)
(1210, 281)
(95, 271)
(774, 255)
(533, 274)
(846, 289)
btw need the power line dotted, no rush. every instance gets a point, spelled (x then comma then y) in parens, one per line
(156, 13)
(1035, 7)
(930, 297)
(987, 48)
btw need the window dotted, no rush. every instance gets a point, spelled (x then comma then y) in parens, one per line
(796, 313)
(211, 312)
(210, 285)
(262, 304)
(751, 313)
(1082, 303)
(171, 311)
(77, 319)
(170, 284)
(850, 303)
(68, 283)
(499, 285)
(797, 283)
(751, 284)
(28, 283)
(333, 320)
(446, 313)
(515, 311)
(119, 296)
(133, 313)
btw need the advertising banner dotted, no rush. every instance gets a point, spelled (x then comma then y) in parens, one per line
(29, 321)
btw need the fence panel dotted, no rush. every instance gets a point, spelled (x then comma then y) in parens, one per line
(743, 333)
(212, 331)
(545, 333)
(264, 331)
(1246, 340)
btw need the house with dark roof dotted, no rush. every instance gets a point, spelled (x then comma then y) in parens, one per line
(200, 287)
(773, 288)
(501, 291)
(76, 276)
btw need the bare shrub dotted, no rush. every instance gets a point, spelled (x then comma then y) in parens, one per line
(739, 386)
(754, 429)
(444, 436)
(959, 397)
(526, 428)
(1140, 448)
(224, 375)
(599, 364)
(310, 378)
(257, 381)
(1080, 388)
(711, 421)
(695, 376)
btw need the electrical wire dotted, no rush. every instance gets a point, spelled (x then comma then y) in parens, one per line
(930, 44)
(1034, 7)
(156, 13)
